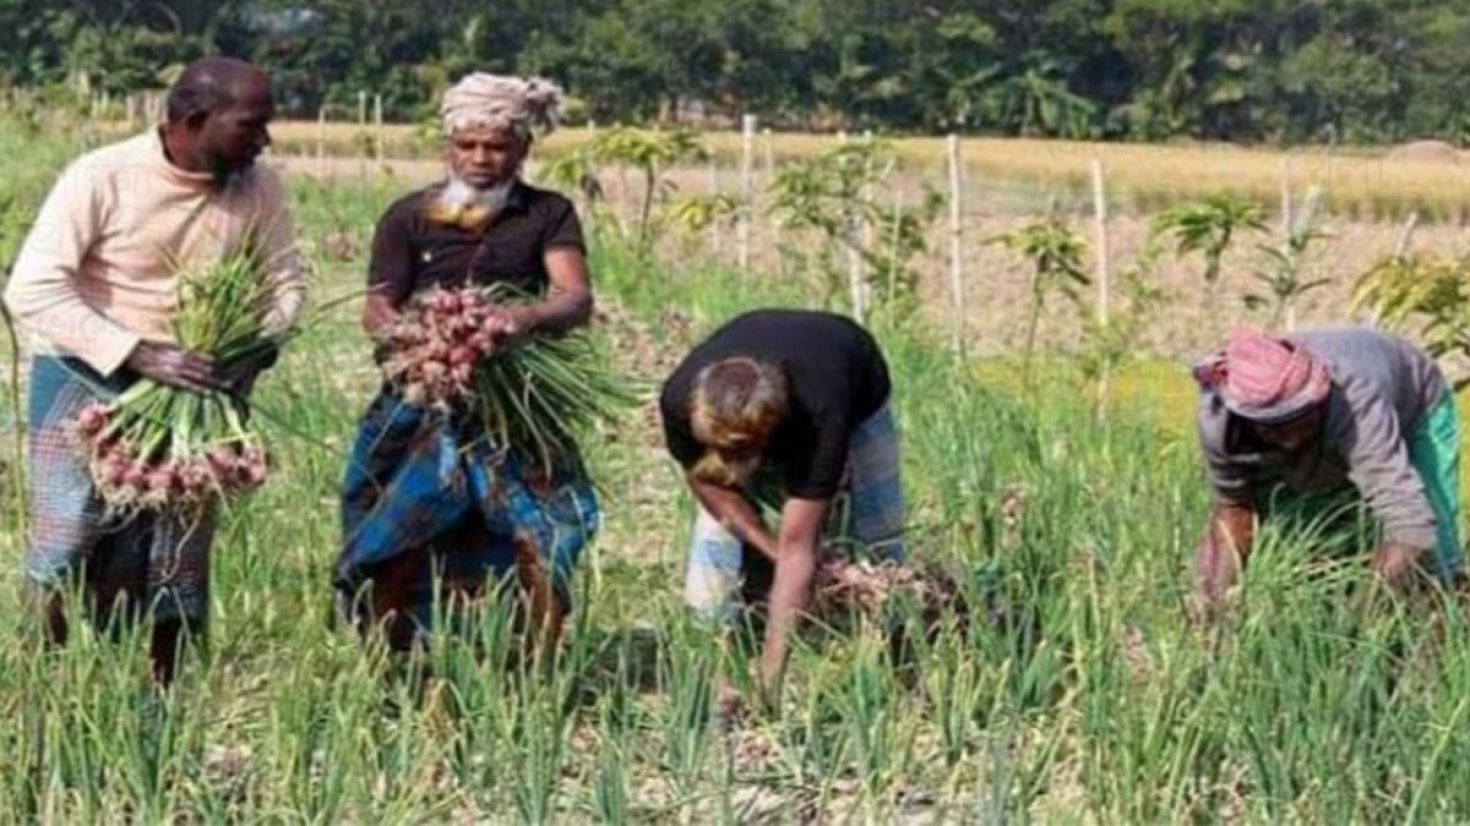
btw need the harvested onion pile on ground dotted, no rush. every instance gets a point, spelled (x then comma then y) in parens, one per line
(844, 586)
(157, 446)
(537, 395)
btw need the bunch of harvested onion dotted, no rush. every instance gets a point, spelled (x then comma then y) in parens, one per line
(158, 446)
(535, 396)
(433, 347)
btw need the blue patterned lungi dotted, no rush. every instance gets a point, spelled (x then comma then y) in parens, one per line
(151, 560)
(429, 500)
(868, 519)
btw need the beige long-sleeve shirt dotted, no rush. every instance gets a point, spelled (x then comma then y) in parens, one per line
(98, 272)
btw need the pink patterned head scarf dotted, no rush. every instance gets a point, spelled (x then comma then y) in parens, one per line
(1265, 379)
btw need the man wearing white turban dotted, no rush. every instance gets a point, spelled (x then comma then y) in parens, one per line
(482, 225)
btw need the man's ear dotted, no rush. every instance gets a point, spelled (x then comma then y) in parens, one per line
(194, 121)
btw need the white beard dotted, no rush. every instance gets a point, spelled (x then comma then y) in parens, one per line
(458, 194)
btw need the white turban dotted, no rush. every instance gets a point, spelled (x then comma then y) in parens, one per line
(501, 102)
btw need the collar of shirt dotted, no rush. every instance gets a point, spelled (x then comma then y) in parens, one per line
(177, 173)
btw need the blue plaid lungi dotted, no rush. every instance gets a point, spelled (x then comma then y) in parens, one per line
(430, 504)
(157, 561)
(867, 520)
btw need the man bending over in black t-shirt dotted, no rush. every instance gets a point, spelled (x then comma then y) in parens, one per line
(788, 407)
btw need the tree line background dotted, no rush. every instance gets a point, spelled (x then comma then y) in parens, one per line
(1283, 71)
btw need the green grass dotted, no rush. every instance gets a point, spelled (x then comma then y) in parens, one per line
(1075, 690)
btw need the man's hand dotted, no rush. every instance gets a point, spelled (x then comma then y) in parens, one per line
(238, 376)
(167, 364)
(1396, 564)
(509, 326)
(1224, 550)
(378, 314)
(737, 514)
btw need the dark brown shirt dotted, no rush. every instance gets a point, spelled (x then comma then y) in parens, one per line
(411, 252)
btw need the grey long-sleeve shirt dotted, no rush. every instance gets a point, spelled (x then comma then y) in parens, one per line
(1382, 388)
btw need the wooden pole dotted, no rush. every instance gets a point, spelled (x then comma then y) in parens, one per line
(855, 263)
(378, 127)
(956, 242)
(770, 153)
(589, 198)
(357, 147)
(747, 169)
(871, 220)
(1100, 220)
(716, 238)
(895, 238)
(1406, 236)
(321, 141)
(1287, 219)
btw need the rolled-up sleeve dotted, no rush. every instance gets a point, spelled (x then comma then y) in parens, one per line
(42, 293)
(1379, 467)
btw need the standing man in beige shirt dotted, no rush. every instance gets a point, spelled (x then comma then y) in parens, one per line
(95, 287)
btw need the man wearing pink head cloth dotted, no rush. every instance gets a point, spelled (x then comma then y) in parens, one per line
(1321, 412)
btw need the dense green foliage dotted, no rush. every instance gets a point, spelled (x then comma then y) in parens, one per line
(1351, 70)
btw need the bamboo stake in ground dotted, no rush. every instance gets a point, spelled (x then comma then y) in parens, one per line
(770, 153)
(378, 128)
(1100, 221)
(854, 261)
(1286, 207)
(747, 167)
(361, 131)
(895, 229)
(1104, 276)
(595, 176)
(1406, 236)
(321, 142)
(716, 237)
(956, 243)
(869, 225)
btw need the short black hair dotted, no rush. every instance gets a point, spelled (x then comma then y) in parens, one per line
(208, 85)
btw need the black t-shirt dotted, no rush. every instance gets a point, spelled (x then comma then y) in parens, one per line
(836, 376)
(411, 252)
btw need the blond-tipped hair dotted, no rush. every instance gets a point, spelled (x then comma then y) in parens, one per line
(734, 406)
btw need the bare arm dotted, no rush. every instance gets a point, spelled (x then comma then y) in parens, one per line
(568, 303)
(735, 512)
(378, 313)
(796, 562)
(1224, 551)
